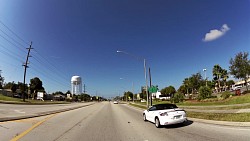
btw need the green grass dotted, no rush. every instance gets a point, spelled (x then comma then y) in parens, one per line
(7, 99)
(219, 108)
(235, 117)
(138, 105)
(230, 101)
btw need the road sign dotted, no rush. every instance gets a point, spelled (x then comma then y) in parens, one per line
(153, 89)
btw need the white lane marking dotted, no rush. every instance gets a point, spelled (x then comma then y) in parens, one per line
(19, 111)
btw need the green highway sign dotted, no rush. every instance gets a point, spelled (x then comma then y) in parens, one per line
(153, 89)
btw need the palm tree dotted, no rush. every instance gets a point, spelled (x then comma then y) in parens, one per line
(217, 72)
(224, 76)
(186, 83)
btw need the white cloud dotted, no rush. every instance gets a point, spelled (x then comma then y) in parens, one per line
(215, 33)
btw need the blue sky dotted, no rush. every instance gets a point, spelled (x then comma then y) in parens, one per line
(177, 38)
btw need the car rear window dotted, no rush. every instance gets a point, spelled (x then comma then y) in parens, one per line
(166, 106)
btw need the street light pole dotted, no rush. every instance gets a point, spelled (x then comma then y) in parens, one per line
(146, 79)
(205, 76)
(145, 71)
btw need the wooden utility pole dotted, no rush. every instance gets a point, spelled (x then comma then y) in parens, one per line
(25, 68)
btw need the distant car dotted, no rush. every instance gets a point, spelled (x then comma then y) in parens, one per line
(115, 102)
(164, 114)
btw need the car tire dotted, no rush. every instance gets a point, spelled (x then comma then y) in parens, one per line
(157, 123)
(184, 122)
(144, 117)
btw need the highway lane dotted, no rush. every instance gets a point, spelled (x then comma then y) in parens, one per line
(114, 122)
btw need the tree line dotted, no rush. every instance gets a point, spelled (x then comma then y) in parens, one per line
(239, 67)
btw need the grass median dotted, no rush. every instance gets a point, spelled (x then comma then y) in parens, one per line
(229, 101)
(233, 117)
(12, 100)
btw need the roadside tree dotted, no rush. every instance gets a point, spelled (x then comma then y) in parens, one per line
(36, 85)
(128, 95)
(13, 87)
(1, 81)
(195, 82)
(168, 91)
(224, 76)
(240, 67)
(182, 89)
(217, 72)
(204, 92)
(178, 97)
(230, 83)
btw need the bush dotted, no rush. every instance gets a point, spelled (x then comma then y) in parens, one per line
(178, 97)
(213, 96)
(157, 99)
(225, 95)
(204, 92)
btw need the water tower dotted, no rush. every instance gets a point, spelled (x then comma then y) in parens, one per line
(76, 85)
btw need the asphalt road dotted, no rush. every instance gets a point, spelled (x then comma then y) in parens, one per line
(112, 122)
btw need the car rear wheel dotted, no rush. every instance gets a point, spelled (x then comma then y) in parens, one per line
(157, 123)
(144, 117)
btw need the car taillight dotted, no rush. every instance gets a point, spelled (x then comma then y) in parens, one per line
(164, 114)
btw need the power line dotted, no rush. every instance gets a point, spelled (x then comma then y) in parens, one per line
(12, 43)
(50, 66)
(12, 38)
(10, 53)
(13, 33)
(42, 61)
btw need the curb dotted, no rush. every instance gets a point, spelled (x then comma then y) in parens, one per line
(42, 113)
(222, 123)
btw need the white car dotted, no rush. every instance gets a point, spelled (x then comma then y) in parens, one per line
(115, 102)
(164, 114)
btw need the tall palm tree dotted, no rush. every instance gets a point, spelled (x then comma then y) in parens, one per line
(224, 76)
(217, 72)
(186, 83)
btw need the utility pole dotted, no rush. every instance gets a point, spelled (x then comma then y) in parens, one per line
(1, 79)
(205, 76)
(25, 68)
(133, 90)
(84, 88)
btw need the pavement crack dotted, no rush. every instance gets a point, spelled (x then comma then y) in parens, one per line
(75, 125)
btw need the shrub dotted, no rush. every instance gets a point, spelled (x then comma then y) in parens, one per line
(213, 96)
(178, 97)
(204, 92)
(157, 99)
(225, 95)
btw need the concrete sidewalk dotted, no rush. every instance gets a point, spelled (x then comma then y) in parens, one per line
(10, 112)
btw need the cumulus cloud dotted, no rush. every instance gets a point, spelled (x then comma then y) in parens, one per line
(215, 33)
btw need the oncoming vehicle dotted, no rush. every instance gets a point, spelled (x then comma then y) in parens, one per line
(164, 114)
(115, 102)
